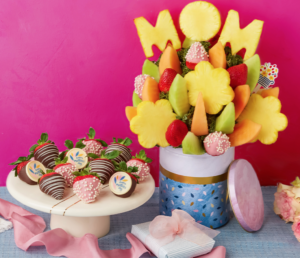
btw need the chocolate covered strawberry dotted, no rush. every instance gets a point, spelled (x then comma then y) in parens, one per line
(195, 55)
(124, 181)
(166, 79)
(19, 164)
(176, 132)
(92, 145)
(238, 75)
(52, 184)
(142, 163)
(122, 146)
(87, 185)
(45, 151)
(104, 165)
(65, 169)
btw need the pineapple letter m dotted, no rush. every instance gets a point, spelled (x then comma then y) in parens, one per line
(159, 35)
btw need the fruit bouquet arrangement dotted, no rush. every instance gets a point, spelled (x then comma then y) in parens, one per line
(85, 167)
(199, 95)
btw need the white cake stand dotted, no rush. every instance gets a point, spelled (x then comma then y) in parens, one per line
(73, 215)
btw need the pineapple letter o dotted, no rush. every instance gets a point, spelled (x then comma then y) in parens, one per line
(159, 35)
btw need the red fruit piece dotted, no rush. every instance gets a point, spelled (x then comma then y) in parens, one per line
(166, 79)
(40, 146)
(19, 167)
(190, 65)
(176, 132)
(83, 177)
(48, 174)
(238, 75)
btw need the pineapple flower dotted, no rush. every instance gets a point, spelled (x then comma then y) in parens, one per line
(266, 112)
(151, 122)
(213, 83)
(286, 203)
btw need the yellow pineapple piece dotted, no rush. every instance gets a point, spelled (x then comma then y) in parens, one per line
(151, 122)
(200, 21)
(247, 38)
(266, 112)
(159, 35)
(213, 83)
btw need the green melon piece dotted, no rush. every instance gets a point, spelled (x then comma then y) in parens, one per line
(135, 99)
(151, 69)
(226, 121)
(178, 96)
(253, 64)
(192, 145)
(188, 42)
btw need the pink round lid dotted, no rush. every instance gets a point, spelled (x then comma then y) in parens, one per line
(245, 195)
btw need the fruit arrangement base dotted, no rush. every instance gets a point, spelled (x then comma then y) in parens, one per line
(74, 216)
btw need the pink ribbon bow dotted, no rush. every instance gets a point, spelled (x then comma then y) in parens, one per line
(164, 229)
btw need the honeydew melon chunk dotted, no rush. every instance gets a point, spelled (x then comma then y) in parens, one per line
(151, 69)
(135, 99)
(226, 121)
(188, 42)
(178, 96)
(253, 64)
(192, 145)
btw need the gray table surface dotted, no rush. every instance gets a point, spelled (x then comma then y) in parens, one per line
(275, 239)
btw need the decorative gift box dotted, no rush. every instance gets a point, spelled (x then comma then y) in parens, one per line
(176, 236)
(195, 184)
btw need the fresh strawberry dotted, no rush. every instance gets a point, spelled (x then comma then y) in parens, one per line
(142, 163)
(87, 185)
(52, 184)
(65, 169)
(166, 79)
(195, 55)
(45, 151)
(104, 165)
(176, 132)
(20, 163)
(122, 146)
(238, 75)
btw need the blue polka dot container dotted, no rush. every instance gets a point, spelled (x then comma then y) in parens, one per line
(196, 184)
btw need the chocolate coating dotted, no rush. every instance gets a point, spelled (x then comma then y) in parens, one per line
(129, 193)
(47, 155)
(53, 185)
(104, 168)
(124, 156)
(24, 177)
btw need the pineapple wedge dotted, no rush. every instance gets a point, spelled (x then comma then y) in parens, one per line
(151, 122)
(213, 83)
(266, 112)
(247, 38)
(200, 21)
(159, 35)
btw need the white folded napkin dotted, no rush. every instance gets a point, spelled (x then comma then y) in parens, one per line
(5, 225)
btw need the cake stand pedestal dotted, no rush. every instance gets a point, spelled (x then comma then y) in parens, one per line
(73, 215)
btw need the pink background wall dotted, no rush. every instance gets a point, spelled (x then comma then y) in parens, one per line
(68, 65)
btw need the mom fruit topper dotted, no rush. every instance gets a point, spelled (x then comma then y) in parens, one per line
(199, 95)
